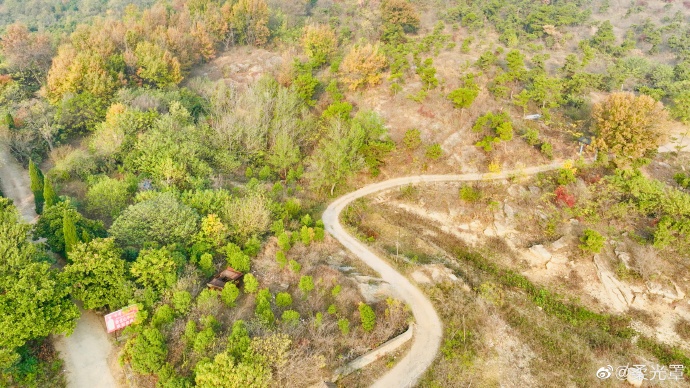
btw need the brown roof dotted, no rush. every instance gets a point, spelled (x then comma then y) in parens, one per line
(230, 274)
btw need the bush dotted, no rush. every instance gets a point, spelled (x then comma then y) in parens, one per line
(306, 235)
(284, 241)
(281, 259)
(283, 299)
(162, 316)
(335, 291)
(592, 241)
(470, 194)
(332, 309)
(344, 326)
(290, 317)
(306, 284)
(263, 308)
(547, 149)
(563, 198)
(367, 316)
(412, 139)
(295, 266)
(531, 136)
(434, 151)
(251, 285)
(229, 294)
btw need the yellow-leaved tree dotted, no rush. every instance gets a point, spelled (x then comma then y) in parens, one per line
(629, 127)
(319, 43)
(363, 66)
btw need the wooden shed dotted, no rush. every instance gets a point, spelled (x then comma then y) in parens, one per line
(228, 275)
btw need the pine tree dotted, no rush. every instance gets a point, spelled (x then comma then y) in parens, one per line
(49, 195)
(69, 230)
(36, 185)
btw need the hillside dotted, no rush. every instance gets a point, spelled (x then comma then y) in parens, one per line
(167, 140)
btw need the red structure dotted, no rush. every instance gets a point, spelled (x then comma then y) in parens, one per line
(121, 318)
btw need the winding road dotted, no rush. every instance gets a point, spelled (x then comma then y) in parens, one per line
(429, 330)
(88, 350)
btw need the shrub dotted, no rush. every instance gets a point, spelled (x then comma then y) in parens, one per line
(283, 299)
(335, 291)
(284, 241)
(563, 198)
(295, 266)
(290, 317)
(434, 151)
(281, 259)
(306, 284)
(319, 234)
(367, 316)
(251, 285)
(592, 241)
(229, 294)
(344, 326)
(263, 307)
(531, 136)
(412, 139)
(547, 149)
(470, 194)
(162, 316)
(566, 175)
(305, 235)
(332, 309)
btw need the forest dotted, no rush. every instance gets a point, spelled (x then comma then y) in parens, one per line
(154, 167)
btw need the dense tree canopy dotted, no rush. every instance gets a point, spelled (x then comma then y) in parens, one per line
(161, 219)
(35, 300)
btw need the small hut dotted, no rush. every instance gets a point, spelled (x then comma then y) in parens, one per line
(229, 274)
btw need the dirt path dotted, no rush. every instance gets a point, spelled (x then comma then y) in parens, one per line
(87, 351)
(429, 331)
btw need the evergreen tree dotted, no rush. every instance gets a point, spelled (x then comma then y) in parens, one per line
(36, 177)
(49, 195)
(69, 230)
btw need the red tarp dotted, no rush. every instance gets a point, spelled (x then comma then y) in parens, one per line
(121, 318)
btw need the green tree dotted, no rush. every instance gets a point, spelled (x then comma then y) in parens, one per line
(319, 43)
(251, 285)
(49, 195)
(283, 299)
(182, 301)
(51, 225)
(367, 317)
(238, 340)
(98, 275)
(69, 231)
(108, 197)
(36, 178)
(147, 351)
(229, 294)
(156, 65)
(263, 307)
(35, 300)
(161, 219)
(155, 269)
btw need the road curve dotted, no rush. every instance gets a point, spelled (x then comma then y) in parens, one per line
(87, 350)
(429, 330)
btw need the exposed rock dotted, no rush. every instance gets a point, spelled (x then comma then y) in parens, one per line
(559, 244)
(541, 252)
(500, 229)
(508, 210)
(670, 291)
(534, 190)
